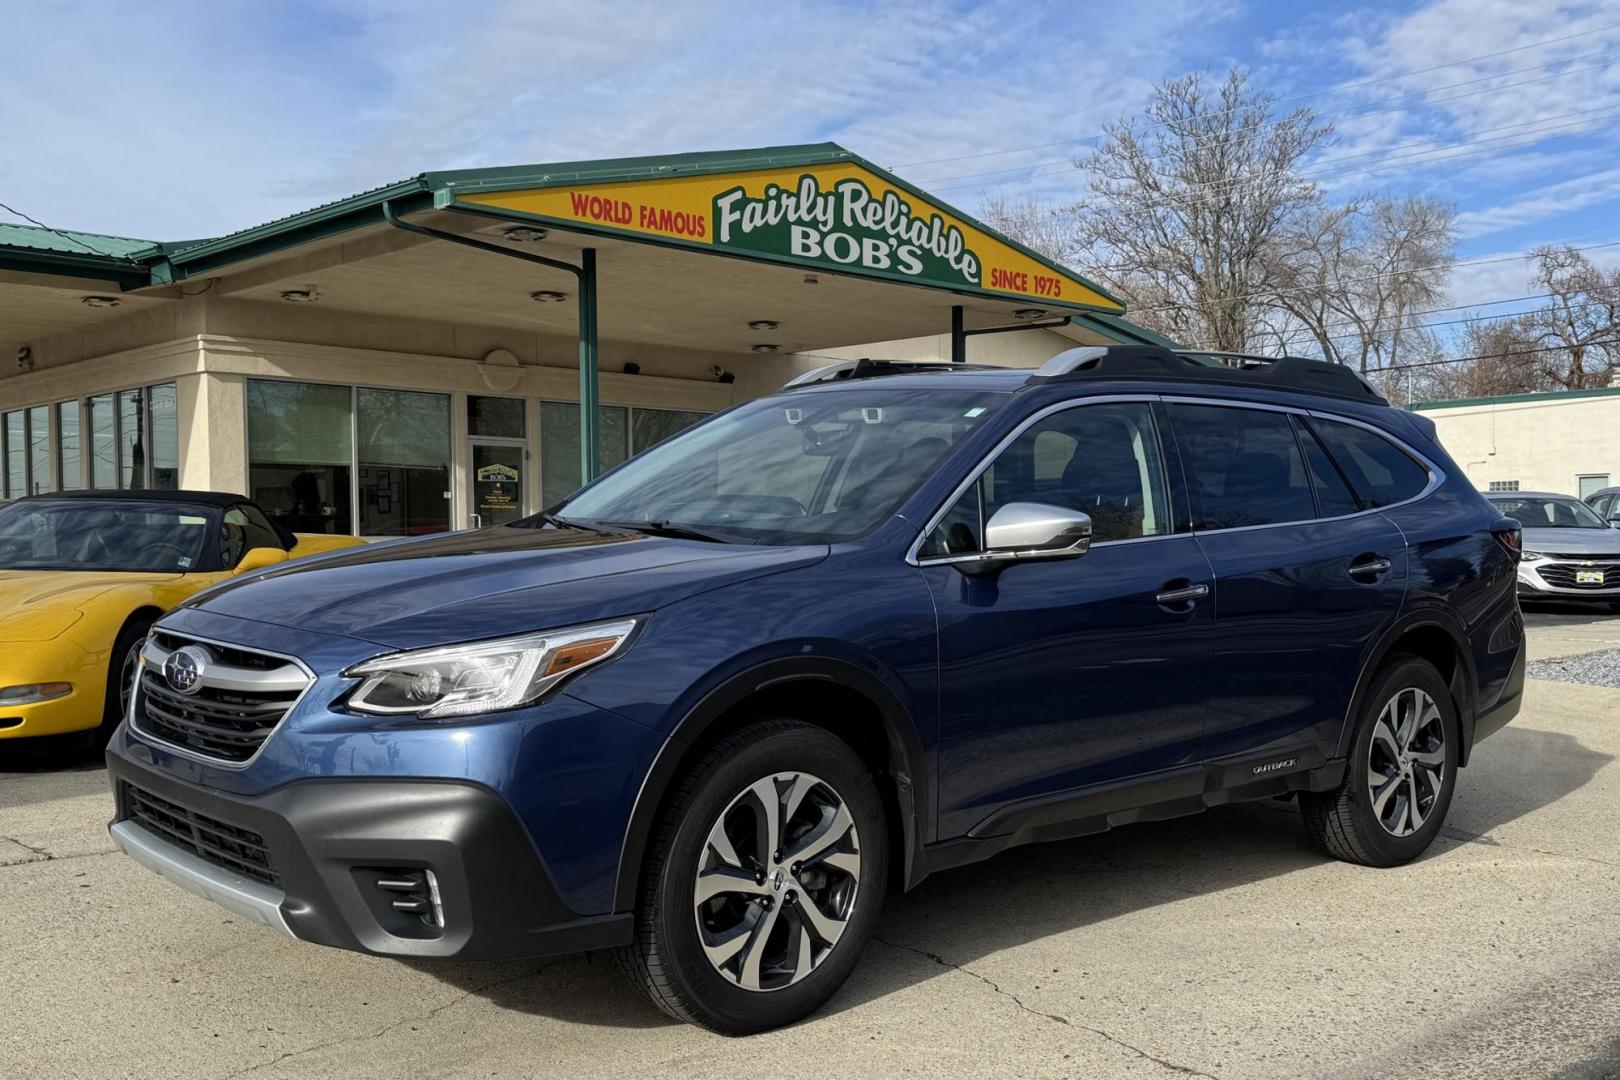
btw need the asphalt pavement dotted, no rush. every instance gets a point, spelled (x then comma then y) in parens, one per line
(1221, 945)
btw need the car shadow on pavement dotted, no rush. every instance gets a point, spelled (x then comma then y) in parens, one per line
(960, 916)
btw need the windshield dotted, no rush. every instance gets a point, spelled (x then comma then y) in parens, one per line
(1534, 513)
(94, 535)
(806, 468)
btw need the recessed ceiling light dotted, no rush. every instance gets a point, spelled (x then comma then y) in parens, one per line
(548, 296)
(764, 324)
(1029, 314)
(525, 234)
(307, 295)
(99, 301)
(762, 348)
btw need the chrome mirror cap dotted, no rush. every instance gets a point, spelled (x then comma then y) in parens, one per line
(1029, 530)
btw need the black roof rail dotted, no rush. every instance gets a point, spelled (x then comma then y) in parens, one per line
(867, 368)
(1294, 373)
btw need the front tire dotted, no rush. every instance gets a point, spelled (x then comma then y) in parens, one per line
(1401, 774)
(126, 652)
(764, 880)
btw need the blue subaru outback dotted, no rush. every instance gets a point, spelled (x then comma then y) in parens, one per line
(710, 710)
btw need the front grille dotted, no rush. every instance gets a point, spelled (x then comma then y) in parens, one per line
(239, 699)
(1562, 575)
(236, 849)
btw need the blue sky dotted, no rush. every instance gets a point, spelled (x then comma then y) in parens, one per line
(184, 119)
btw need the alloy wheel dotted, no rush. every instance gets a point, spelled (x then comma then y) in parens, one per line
(1406, 763)
(777, 881)
(126, 676)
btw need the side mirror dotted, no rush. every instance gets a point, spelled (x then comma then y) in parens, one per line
(258, 558)
(1028, 530)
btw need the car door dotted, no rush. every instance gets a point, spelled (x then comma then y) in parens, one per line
(1308, 574)
(1062, 674)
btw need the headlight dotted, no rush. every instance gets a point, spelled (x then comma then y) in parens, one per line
(34, 693)
(1531, 556)
(458, 680)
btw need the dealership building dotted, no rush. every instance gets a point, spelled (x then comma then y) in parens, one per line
(461, 348)
(1567, 441)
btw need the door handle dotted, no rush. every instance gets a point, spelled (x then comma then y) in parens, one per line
(1185, 595)
(1370, 566)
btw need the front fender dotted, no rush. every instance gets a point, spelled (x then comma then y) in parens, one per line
(805, 663)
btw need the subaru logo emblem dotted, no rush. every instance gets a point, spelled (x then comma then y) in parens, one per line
(184, 668)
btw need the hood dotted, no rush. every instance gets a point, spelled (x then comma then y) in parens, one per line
(491, 583)
(1573, 541)
(39, 605)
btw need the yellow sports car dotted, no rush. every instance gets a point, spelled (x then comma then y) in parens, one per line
(84, 574)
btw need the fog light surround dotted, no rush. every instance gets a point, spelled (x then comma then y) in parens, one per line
(33, 693)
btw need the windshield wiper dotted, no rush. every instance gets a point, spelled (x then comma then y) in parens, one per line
(676, 531)
(570, 523)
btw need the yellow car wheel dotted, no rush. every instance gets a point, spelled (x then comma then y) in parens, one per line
(121, 675)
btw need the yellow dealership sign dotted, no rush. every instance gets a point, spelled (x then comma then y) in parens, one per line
(841, 217)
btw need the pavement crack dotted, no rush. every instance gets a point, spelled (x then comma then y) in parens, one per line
(366, 1036)
(991, 983)
(1486, 840)
(1016, 1000)
(26, 846)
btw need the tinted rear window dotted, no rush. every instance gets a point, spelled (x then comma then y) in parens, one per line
(1244, 465)
(1381, 472)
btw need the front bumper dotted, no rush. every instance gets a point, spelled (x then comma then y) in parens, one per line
(325, 844)
(1555, 579)
(53, 661)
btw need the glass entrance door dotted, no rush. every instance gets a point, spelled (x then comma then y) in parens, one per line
(497, 483)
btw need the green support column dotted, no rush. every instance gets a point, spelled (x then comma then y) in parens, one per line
(958, 337)
(589, 390)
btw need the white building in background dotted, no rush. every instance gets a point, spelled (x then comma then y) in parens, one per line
(1566, 441)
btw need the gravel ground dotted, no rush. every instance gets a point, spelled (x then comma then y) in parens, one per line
(1593, 669)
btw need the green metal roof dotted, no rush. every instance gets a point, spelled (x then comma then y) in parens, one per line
(161, 263)
(34, 238)
(1122, 329)
(1508, 399)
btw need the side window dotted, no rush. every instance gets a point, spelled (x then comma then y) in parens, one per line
(1244, 466)
(1381, 472)
(1333, 495)
(242, 529)
(1104, 460)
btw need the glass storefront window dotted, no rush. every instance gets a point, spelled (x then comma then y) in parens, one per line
(300, 453)
(132, 448)
(39, 449)
(163, 410)
(649, 427)
(69, 464)
(16, 456)
(559, 446)
(103, 448)
(404, 462)
(495, 417)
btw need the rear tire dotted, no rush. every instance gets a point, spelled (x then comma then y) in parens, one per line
(120, 677)
(1401, 773)
(737, 938)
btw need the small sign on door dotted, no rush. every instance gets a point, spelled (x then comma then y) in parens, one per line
(497, 474)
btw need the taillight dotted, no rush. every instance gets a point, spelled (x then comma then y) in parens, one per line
(1507, 533)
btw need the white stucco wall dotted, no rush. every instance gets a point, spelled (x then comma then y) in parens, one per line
(1544, 444)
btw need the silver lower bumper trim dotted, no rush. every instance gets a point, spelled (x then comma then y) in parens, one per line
(246, 897)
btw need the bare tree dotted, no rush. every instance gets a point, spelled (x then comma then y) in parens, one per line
(1578, 328)
(1186, 203)
(1351, 279)
(1030, 222)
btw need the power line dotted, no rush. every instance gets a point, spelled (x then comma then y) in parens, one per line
(1337, 88)
(1408, 100)
(1371, 277)
(1491, 356)
(70, 239)
(1427, 155)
